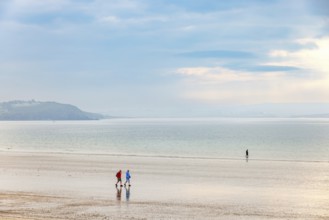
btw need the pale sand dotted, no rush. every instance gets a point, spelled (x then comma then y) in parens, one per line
(61, 186)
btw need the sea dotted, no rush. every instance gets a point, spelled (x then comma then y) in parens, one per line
(277, 139)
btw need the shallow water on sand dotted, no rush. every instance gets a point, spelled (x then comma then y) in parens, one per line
(166, 187)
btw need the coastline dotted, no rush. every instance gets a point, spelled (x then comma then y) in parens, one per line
(106, 154)
(77, 186)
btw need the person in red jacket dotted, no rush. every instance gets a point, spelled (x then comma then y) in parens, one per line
(118, 175)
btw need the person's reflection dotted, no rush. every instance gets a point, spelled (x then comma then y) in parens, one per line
(127, 192)
(119, 190)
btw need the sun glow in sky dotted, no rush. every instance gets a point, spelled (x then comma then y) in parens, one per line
(166, 58)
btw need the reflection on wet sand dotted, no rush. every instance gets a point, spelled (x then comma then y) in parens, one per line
(119, 191)
(127, 192)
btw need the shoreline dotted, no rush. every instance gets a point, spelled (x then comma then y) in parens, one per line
(48, 153)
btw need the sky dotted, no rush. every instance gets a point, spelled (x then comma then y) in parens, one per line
(157, 58)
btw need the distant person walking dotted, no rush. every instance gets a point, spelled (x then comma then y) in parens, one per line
(118, 176)
(127, 178)
(247, 153)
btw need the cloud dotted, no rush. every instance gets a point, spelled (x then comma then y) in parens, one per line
(46, 14)
(16, 8)
(127, 22)
(315, 59)
(219, 54)
(246, 88)
(270, 68)
(211, 6)
(319, 7)
(271, 83)
(219, 75)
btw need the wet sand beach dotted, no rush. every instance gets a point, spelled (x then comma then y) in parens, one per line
(78, 186)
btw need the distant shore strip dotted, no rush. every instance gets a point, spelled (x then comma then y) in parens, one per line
(164, 156)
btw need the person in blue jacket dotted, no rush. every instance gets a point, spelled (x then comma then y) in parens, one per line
(127, 178)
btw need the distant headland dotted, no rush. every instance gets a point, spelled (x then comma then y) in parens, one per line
(36, 110)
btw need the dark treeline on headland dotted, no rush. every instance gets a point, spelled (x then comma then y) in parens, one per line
(35, 110)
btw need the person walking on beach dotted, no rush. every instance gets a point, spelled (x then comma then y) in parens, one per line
(118, 175)
(127, 178)
(247, 153)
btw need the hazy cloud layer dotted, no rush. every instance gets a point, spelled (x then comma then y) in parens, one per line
(320, 7)
(163, 58)
(219, 54)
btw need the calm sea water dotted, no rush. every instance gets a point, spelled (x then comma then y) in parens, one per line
(266, 139)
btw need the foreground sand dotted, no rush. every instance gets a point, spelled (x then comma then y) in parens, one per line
(61, 186)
